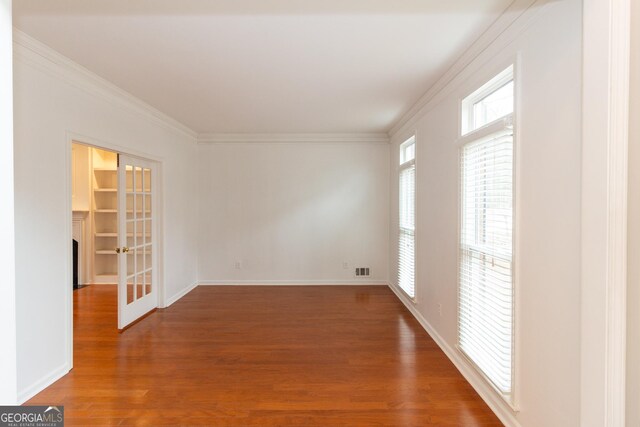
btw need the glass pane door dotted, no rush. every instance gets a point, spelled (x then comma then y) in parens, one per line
(137, 282)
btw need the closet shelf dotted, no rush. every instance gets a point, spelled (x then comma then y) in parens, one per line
(116, 211)
(116, 235)
(105, 209)
(113, 252)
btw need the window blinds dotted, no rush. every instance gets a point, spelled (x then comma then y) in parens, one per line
(406, 249)
(486, 249)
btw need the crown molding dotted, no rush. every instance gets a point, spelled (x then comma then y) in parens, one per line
(513, 21)
(292, 137)
(37, 54)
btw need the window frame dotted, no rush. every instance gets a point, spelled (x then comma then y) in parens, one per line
(411, 140)
(494, 84)
(502, 76)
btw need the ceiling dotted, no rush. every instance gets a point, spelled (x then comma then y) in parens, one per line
(265, 66)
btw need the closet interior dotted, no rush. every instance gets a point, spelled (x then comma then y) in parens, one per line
(94, 198)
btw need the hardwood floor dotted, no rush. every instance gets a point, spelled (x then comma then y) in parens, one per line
(262, 356)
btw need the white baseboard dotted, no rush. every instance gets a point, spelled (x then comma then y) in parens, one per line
(43, 383)
(180, 294)
(497, 405)
(362, 282)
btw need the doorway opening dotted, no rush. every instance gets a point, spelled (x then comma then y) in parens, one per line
(94, 201)
(114, 244)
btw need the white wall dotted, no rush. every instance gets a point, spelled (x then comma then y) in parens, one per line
(292, 212)
(633, 230)
(548, 212)
(50, 101)
(7, 249)
(80, 177)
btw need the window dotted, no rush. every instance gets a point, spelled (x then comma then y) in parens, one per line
(491, 102)
(406, 243)
(485, 314)
(493, 106)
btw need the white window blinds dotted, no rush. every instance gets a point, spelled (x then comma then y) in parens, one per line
(486, 253)
(406, 244)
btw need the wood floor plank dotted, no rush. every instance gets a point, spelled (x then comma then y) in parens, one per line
(262, 356)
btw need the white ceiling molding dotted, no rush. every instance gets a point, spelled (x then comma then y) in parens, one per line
(41, 56)
(38, 54)
(292, 137)
(513, 21)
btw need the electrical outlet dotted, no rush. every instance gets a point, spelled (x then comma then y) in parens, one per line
(440, 309)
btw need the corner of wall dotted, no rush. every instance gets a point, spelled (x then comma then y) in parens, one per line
(175, 297)
(497, 405)
(35, 388)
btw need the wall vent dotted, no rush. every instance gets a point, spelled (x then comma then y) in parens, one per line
(362, 271)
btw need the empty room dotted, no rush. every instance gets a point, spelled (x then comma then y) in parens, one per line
(320, 212)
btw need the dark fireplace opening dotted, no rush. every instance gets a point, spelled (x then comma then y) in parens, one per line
(75, 264)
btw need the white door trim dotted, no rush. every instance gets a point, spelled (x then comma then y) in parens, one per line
(8, 325)
(73, 137)
(604, 211)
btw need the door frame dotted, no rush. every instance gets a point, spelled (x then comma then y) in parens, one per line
(605, 117)
(158, 227)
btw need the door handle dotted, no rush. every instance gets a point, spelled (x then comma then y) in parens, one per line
(125, 249)
(117, 250)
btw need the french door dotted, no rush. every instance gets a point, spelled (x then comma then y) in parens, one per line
(137, 251)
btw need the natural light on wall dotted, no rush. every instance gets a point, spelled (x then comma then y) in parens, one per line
(406, 243)
(485, 314)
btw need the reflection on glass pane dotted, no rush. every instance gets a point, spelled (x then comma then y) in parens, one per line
(129, 206)
(148, 231)
(141, 261)
(131, 242)
(409, 152)
(138, 179)
(132, 235)
(140, 237)
(129, 178)
(139, 205)
(139, 291)
(147, 206)
(495, 105)
(135, 287)
(147, 179)
(149, 283)
(140, 229)
(147, 258)
(131, 267)
(130, 290)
